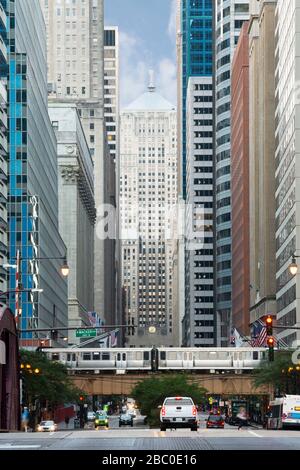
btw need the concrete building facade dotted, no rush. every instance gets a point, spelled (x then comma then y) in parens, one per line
(75, 42)
(199, 320)
(240, 183)
(148, 159)
(77, 213)
(33, 179)
(262, 145)
(287, 172)
(229, 17)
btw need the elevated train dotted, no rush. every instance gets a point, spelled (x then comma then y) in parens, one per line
(158, 359)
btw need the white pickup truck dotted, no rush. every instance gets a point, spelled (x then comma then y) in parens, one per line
(178, 412)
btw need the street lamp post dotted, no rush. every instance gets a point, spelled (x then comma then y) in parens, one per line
(293, 267)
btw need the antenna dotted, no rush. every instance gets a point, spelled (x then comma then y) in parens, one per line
(151, 86)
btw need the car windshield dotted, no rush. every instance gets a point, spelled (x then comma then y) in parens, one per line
(126, 416)
(179, 401)
(101, 415)
(47, 423)
(215, 418)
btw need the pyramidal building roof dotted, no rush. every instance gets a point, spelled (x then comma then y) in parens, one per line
(150, 101)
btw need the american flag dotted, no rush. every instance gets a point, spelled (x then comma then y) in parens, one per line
(260, 335)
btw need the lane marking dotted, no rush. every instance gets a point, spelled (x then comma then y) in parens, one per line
(16, 446)
(254, 434)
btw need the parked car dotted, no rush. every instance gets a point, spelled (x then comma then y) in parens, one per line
(178, 412)
(47, 426)
(101, 419)
(215, 421)
(126, 419)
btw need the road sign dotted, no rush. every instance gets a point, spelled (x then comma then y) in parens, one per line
(82, 333)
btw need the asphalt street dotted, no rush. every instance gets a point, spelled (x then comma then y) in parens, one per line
(141, 438)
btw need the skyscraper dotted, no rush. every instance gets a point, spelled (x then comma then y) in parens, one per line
(240, 183)
(76, 190)
(75, 40)
(262, 145)
(199, 320)
(196, 47)
(33, 187)
(229, 17)
(3, 149)
(148, 170)
(287, 154)
(196, 59)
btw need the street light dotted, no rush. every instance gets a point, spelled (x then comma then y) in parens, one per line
(293, 267)
(65, 270)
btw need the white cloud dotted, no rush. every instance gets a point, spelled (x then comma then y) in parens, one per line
(135, 64)
(172, 20)
(167, 79)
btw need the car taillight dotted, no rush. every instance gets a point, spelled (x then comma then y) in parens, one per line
(194, 410)
(163, 411)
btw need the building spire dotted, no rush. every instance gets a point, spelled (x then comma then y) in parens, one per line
(151, 86)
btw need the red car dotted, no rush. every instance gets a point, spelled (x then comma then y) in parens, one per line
(215, 421)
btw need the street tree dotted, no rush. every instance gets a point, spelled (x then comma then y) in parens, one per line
(281, 373)
(46, 381)
(151, 392)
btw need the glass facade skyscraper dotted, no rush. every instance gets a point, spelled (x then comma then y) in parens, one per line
(33, 192)
(197, 54)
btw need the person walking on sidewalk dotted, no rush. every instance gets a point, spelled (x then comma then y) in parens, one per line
(242, 417)
(67, 419)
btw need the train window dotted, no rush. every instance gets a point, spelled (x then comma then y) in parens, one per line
(146, 356)
(73, 357)
(86, 356)
(68, 357)
(124, 357)
(105, 356)
(55, 357)
(255, 355)
(163, 355)
(96, 356)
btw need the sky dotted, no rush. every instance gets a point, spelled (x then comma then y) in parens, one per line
(147, 30)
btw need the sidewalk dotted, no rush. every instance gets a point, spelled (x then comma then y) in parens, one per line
(62, 426)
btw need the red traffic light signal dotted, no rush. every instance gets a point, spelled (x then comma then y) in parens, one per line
(81, 398)
(269, 325)
(270, 342)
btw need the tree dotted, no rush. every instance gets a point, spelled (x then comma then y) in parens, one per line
(151, 392)
(52, 384)
(282, 374)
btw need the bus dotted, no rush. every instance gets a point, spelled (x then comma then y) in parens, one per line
(284, 412)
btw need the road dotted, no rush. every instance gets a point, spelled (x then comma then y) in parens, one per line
(141, 438)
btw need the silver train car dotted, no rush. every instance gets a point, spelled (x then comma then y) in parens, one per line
(102, 358)
(210, 358)
(158, 359)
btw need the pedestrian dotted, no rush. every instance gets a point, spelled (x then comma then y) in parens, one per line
(25, 419)
(242, 417)
(67, 419)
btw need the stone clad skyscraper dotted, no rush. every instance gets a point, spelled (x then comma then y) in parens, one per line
(75, 39)
(148, 190)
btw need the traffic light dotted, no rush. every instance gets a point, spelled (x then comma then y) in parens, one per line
(269, 325)
(81, 398)
(270, 343)
(54, 334)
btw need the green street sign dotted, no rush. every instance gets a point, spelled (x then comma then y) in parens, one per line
(81, 333)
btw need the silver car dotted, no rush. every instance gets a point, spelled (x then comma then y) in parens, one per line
(126, 420)
(47, 426)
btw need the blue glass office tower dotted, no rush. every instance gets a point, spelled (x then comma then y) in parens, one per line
(33, 186)
(3, 148)
(197, 170)
(197, 54)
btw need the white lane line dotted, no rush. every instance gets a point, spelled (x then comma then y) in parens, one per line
(11, 446)
(254, 434)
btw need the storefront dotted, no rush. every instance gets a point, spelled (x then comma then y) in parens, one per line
(9, 373)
